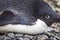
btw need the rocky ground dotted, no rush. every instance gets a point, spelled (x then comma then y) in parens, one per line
(53, 35)
(18, 36)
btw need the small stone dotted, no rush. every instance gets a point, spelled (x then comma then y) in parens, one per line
(21, 38)
(7, 38)
(58, 3)
(57, 10)
(52, 38)
(26, 39)
(35, 37)
(58, 35)
(3, 36)
(29, 36)
(18, 35)
(11, 35)
(42, 37)
(13, 39)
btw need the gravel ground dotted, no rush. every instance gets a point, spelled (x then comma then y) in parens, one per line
(18, 36)
(53, 35)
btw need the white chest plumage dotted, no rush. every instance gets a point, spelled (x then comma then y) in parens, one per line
(37, 28)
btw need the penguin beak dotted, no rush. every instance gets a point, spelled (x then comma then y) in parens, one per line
(58, 19)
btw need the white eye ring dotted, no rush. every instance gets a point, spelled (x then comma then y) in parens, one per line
(47, 16)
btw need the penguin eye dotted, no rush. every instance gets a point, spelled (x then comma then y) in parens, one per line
(47, 16)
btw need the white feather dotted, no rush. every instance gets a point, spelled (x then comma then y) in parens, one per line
(39, 27)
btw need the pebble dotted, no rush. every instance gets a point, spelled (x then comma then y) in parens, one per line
(11, 35)
(35, 37)
(58, 3)
(3, 36)
(7, 38)
(21, 38)
(28, 36)
(42, 37)
(26, 39)
(52, 38)
(57, 10)
(18, 35)
(58, 35)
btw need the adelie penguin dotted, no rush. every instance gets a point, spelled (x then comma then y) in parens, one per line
(26, 16)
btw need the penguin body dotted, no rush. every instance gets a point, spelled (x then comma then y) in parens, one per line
(17, 12)
(38, 28)
(26, 16)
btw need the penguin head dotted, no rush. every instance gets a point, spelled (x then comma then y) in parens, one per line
(41, 10)
(49, 18)
(46, 13)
